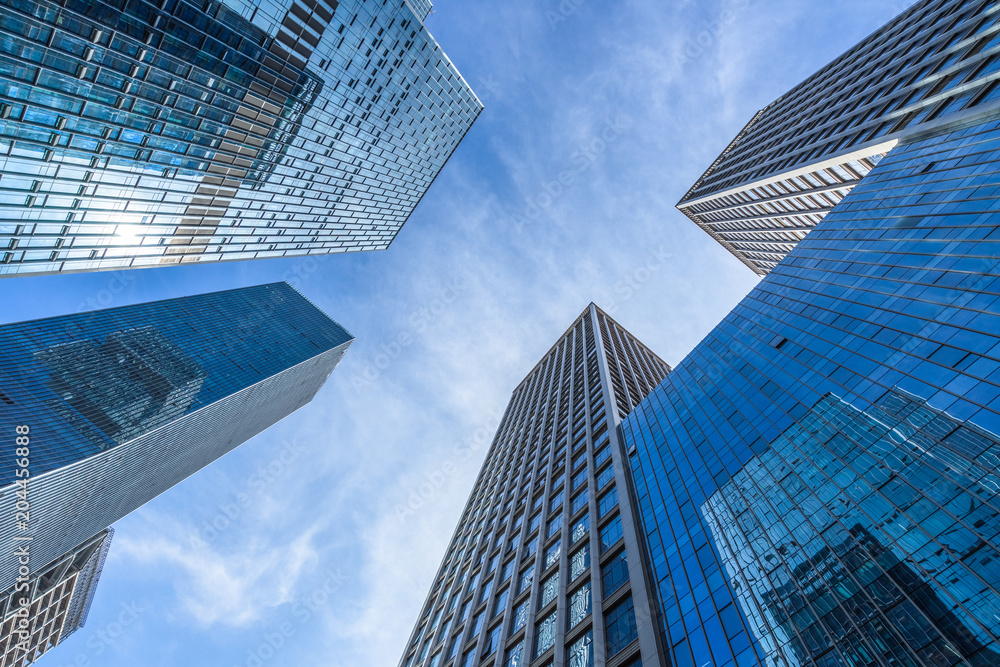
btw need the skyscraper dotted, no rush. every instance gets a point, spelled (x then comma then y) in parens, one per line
(58, 600)
(819, 480)
(137, 133)
(936, 63)
(121, 404)
(545, 565)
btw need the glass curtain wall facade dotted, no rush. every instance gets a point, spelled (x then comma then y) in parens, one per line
(136, 133)
(546, 565)
(819, 480)
(122, 404)
(939, 61)
(60, 597)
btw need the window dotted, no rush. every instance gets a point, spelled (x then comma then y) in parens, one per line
(554, 526)
(501, 603)
(615, 573)
(611, 533)
(512, 545)
(520, 616)
(550, 588)
(527, 575)
(552, 553)
(559, 480)
(579, 478)
(619, 626)
(579, 562)
(601, 455)
(545, 635)
(556, 501)
(580, 529)
(469, 659)
(455, 643)
(634, 662)
(492, 641)
(579, 502)
(605, 476)
(606, 502)
(493, 563)
(529, 548)
(477, 625)
(473, 581)
(534, 522)
(515, 656)
(487, 587)
(581, 653)
(579, 605)
(508, 569)
(466, 608)
(435, 660)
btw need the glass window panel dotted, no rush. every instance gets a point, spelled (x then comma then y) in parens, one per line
(620, 627)
(580, 528)
(545, 634)
(579, 562)
(552, 553)
(556, 501)
(554, 526)
(520, 616)
(492, 641)
(607, 502)
(605, 476)
(579, 605)
(581, 653)
(611, 533)
(615, 573)
(527, 575)
(500, 604)
(550, 588)
(579, 502)
(515, 656)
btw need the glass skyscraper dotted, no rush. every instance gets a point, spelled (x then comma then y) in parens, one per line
(819, 480)
(936, 63)
(137, 133)
(59, 598)
(124, 403)
(817, 484)
(546, 564)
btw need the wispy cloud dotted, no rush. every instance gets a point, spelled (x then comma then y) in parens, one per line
(216, 586)
(367, 449)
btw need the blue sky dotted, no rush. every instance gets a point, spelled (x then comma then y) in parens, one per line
(331, 524)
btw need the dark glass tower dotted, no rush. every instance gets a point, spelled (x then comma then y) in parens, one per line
(546, 565)
(819, 480)
(137, 133)
(935, 64)
(124, 403)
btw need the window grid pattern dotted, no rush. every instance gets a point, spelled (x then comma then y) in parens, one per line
(123, 403)
(801, 155)
(871, 352)
(60, 595)
(558, 423)
(137, 134)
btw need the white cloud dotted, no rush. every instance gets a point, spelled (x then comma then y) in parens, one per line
(216, 587)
